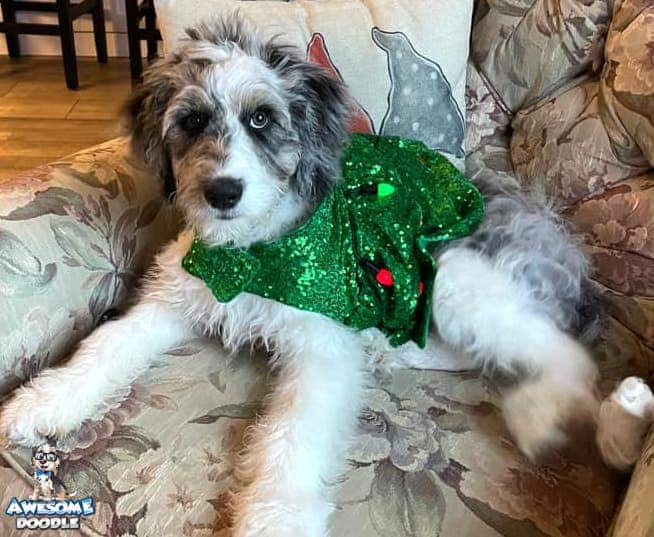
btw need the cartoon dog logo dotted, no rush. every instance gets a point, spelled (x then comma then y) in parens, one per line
(46, 463)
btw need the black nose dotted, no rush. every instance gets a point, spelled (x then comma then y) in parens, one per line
(223, 192)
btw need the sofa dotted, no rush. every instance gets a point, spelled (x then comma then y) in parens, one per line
(560, 93)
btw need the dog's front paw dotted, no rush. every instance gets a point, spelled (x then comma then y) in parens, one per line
(279, 515)
(29, 418)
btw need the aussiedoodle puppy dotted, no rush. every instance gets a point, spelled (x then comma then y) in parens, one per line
(246, 137)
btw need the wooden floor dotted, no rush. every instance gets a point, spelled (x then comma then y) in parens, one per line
(41, 120)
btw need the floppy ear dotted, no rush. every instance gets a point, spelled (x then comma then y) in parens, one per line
(319, 111)
(144, 114)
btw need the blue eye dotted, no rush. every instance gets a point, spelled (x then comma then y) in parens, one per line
(259, 119)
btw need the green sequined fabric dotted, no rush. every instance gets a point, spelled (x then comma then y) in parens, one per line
(365, 256)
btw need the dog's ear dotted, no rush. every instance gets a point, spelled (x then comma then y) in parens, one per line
(144, 114)
(319, 111)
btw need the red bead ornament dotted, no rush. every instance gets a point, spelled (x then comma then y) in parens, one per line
(384, 277)
(421, 288)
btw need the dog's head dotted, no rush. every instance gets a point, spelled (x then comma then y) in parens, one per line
(46, 459)
(242, 131)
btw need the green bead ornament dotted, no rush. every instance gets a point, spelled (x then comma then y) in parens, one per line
(384, 190)
(364, 257)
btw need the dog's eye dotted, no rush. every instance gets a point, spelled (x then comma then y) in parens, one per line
(195, 121)
(259, 119)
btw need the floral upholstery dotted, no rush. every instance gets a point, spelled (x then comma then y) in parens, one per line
(432, 456)
(542, 102)
(74, 236)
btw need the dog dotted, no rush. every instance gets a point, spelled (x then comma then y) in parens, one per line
(46, 464)
(246, 136)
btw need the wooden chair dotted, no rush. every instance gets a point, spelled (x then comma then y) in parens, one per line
(136, 11)
(67, 12)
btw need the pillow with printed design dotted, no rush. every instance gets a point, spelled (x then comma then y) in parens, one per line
(404, 61)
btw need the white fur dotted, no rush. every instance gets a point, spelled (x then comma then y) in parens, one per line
(98, 375)
(483, 310)
(231, 82)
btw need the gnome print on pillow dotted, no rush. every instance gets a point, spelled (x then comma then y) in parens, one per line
(420, 101)
(317, 53)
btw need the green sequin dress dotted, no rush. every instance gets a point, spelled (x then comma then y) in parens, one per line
(365, 256)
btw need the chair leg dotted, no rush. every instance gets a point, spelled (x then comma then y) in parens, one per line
(99, 32)
(135, 61)
(151, 26)
(9, 15)
(68, 43)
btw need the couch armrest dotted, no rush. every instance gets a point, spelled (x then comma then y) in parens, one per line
(74, 236)
(636, 516)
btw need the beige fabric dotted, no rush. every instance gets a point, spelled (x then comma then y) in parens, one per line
(628, 81)
(530, 49)
(74, 236)
(580, 130)
(431, 457)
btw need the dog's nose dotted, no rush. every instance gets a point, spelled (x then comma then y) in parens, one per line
(223, 192)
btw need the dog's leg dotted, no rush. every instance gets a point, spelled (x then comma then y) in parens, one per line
(98, 375)
(294, 451)
(482, 310)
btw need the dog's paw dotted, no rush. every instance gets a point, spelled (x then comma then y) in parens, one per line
(29, 418)
(279, 514)
(537, 411)
(624, 418)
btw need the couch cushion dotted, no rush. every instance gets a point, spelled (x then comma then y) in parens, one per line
(636, 517)
(628, 82)
(529, 49)
(74, 236)
(487, 127)
(432, 457)
(581, 130)
(562, 145)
